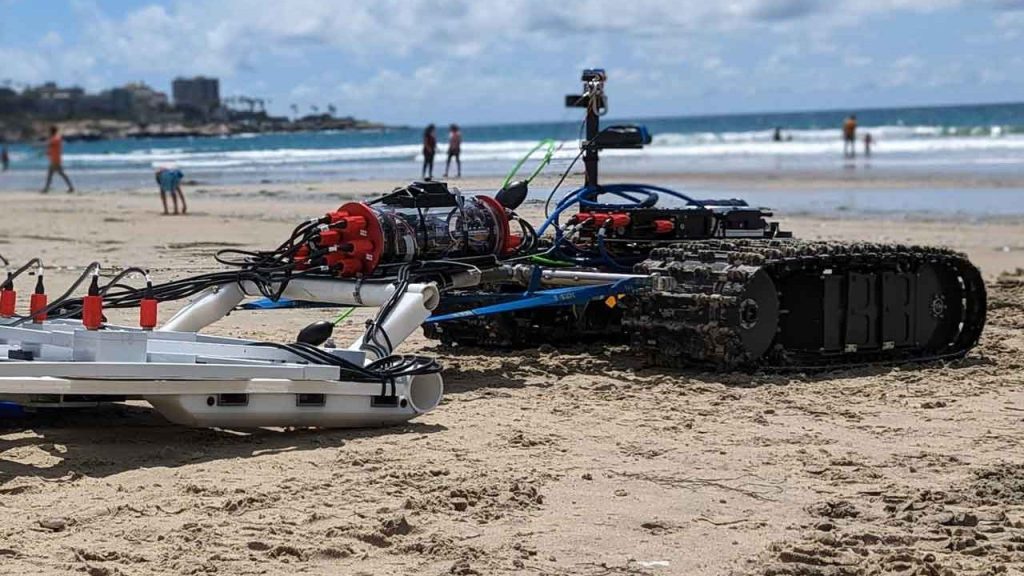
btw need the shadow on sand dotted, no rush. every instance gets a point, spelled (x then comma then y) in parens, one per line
(114, 438)
(506, 368)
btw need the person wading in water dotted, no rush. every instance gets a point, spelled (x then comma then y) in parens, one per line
(454, 150)
(429, 148)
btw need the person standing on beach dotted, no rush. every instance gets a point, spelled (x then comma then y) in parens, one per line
(429, 148)
(454, 149)
(868, 141)
(169, 180)
(850, 136)
(5, 158)
(55, 152)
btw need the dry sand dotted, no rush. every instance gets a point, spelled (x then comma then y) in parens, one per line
(569, 461)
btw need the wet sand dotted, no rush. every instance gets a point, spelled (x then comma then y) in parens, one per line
(578, 460)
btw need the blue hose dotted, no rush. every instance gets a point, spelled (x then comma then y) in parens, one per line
(587, 196)
(11, 411)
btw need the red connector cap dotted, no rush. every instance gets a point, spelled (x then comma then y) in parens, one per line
(37, 307)
(354, 225)
(92, 306)
(302, 258)
(357, 247)
(620, 220)
(600, 219)
(663, 226)
(344, 264)
(336, 216)
(329, 238)
(8, 298)
(92, 312)
(147, 313)
(37, 303)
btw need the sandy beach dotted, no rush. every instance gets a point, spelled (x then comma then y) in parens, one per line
(577, 460)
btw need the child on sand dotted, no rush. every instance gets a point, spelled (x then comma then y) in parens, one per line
(169, 180)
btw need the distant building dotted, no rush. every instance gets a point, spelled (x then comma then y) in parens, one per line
(53, 101)
(199, 94)
(9, 101)
(136, 100)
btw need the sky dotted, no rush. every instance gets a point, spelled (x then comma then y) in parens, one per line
(481, 61)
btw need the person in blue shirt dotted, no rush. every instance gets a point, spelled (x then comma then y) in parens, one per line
(169, 180)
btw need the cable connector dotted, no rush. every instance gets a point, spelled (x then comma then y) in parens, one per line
(38, 301)
(92, 304)
(8, 297)
(148, 307)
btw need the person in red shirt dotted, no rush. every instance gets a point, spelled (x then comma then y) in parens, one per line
(850, 136)
(55, 152)
(429, 148)
(454, 149)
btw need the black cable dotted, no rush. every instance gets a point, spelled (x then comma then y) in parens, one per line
(33, 262)
(57, 304)
(547, 203)
(124, 273)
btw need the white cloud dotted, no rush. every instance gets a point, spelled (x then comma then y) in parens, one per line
(226, 36)
(51, 40)
(409, 51)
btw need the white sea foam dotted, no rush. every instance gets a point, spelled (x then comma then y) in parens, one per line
(906, 141)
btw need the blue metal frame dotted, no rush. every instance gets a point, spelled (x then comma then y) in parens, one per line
(573, 296)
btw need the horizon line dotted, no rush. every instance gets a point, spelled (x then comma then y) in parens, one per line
(837, 110)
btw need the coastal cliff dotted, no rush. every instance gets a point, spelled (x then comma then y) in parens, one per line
(30, 130)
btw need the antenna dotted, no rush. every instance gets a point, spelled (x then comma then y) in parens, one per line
(596, 103)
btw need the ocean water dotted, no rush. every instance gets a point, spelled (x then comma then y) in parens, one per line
(975, 139)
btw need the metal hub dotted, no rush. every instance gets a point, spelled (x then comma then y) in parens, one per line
(938, 306)
(749, 312)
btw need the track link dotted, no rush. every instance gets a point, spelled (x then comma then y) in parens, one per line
(787, 303)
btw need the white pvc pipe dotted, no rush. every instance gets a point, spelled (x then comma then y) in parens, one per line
(410, 312)
(218, 301)
(349, 293)
(214, 304)
(424, 392)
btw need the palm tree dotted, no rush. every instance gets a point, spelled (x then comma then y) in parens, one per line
(332, 110)
(295, 110)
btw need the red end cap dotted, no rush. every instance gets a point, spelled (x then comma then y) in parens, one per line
(664, 226)
(301, 257)
(37, 303)
(354, 227)
(147, 313)
(329, 238)
(369, 248)
(506, 244)
(620, 220)
(8, 298)
(337, 216)
(92, 312)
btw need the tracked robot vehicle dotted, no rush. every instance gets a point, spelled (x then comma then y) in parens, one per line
(713, 283)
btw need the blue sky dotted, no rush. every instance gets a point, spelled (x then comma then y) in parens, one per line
(411, 61)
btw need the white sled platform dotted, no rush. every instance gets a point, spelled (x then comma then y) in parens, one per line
(199, 380)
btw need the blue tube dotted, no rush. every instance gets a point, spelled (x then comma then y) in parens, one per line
(587, 196)
(11, 411)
